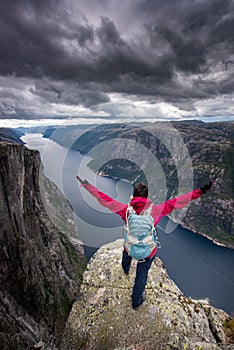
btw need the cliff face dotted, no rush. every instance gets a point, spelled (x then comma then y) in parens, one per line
(103, 317)
(40, 270)
(211, 150)
(172, 158)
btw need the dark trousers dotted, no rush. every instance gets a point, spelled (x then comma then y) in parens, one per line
(141, 276)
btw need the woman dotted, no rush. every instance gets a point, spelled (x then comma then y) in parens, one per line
(140, 203)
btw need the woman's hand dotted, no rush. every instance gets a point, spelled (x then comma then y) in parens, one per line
(207, 187)
(83, 182)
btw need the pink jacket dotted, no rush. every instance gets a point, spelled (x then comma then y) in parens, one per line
(140, 203)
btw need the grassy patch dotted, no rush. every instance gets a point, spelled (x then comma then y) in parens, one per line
(229, 329)
(77, 261)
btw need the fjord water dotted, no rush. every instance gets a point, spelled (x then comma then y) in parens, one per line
(200, 268)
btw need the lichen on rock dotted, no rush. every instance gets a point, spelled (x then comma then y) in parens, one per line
(104, 319)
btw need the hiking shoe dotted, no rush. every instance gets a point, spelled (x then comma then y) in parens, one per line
(143, 296)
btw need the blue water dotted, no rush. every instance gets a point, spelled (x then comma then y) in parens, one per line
(200, 268)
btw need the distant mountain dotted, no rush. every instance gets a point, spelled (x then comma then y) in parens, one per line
(163, 154)
(34, 129)
(11, 135)
(60, 134)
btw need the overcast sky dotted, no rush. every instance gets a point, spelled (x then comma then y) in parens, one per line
(116, 60)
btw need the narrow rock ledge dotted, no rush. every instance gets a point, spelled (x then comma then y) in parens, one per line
(103, 317)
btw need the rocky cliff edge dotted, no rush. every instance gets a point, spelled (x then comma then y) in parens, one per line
(103, 317)
(41, 269)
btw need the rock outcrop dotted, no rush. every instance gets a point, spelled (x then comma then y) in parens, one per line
(41, 270)
(103, 317)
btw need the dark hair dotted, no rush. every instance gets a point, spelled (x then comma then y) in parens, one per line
(140, 190)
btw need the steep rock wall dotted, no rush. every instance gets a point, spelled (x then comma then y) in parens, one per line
(40, 270)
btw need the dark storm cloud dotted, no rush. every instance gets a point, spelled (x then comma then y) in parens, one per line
(80, 61)
(27, 38)
(71, 94)
(192, 30)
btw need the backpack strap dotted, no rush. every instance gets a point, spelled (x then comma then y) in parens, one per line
(129, 211)
(147, 211)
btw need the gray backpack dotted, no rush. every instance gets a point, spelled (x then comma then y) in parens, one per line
(140, 235)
